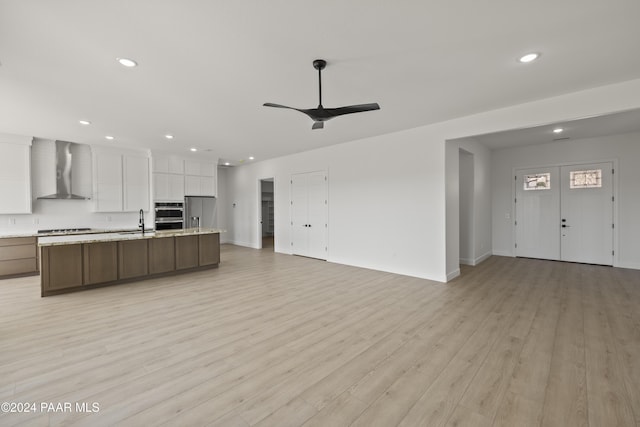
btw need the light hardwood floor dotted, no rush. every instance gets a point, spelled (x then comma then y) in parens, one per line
(276, 340)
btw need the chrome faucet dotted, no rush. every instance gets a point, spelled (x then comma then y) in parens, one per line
(141, 221)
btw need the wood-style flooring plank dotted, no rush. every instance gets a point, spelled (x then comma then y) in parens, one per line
(276, 340)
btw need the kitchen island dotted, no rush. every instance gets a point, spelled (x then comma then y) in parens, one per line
(72, 263)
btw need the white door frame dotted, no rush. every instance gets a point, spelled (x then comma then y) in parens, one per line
(259, 212)
(616, 186)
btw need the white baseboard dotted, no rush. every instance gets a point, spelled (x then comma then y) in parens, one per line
(467, 261)
(481, 258)
(503, 253)
(631, 266)
(453, 275)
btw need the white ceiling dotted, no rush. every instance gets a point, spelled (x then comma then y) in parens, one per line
(206, 67)
(590, 127)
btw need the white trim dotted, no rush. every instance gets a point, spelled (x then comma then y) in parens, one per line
(503, 253)
(481, 258)
(467, 261)
(453, 275)
(616, 198)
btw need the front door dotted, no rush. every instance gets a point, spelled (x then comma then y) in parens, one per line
(565, 213)
(537, 213)
(586, 221)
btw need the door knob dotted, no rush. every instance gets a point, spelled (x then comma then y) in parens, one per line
(566, 226)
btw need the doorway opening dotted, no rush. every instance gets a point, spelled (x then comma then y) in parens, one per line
(466, 207)
(267, 221)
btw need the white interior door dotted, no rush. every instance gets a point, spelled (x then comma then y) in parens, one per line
(317, 215)
(309, 214)
(587, 213)
(299, 214)
(537, 213)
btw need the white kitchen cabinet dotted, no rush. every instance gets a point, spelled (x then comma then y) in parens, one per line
(135, 183)
(168, 187)
(176, 165)
(108, 182)
(192, 186)
(160, 186)
(15, 178)
(192, 167)
(121, 182)
(207, 186)
(160, 164)
(176, 187)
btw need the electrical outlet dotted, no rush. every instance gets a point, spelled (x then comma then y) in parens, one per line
(108, 218)
(12, 221)
(507, 215)
(36, 221)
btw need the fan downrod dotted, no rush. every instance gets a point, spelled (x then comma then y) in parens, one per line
(319, 64)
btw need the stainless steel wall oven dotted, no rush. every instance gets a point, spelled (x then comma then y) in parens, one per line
(169, 215)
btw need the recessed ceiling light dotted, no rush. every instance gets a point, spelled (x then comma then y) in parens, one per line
(529, 57)
(194, 149)
(251, 157)
(126, 62)
(84, 122)
(558, 130)
(168, 136)
(109, 137)
(227, 163)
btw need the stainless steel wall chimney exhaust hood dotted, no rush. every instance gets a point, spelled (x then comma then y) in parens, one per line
(64, 162)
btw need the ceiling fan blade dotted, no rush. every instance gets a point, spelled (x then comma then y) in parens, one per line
(340, 111)
(318, 125)
(269, 104)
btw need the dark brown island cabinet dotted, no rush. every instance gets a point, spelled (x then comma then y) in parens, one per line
(73, 266)
(18, 257)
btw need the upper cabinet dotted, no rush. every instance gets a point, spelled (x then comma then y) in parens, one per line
(15, 174)
(121, 181)
(200, 178)
(175, 177)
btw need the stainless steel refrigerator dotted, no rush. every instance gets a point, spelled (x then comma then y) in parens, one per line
(200, 212)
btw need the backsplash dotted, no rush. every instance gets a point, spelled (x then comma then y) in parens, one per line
(54, 214)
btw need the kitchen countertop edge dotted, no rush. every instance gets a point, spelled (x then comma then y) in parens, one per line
(115, 237)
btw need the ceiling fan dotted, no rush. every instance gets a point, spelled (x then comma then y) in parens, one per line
(320, 115)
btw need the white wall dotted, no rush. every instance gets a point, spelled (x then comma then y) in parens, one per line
(480, 218)
(380, 202)
(391, 205)
(466, 182)
(223, 204)
(624, 149)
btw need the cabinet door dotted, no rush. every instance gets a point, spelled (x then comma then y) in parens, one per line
(108, 182)
(207, 186)
(136, 183)
(209, 249)
(186, 252)
(161, 186)
(192, 186)
(207, 169)
(15, 178)
(61, 267)
(160, 164)
(192, 167)
(162, 255)
(100, 262)
(176, 187)
(133, 258)
(176, 165)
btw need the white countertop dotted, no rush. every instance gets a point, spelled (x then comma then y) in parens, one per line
(110, 237)
(4, 235)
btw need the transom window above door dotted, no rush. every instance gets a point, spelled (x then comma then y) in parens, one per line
(537, 181)
(585, 179)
